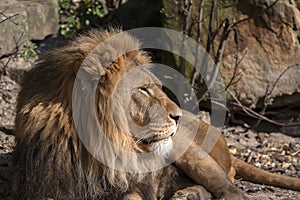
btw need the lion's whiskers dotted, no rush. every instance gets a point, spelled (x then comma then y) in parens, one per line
(142, 135)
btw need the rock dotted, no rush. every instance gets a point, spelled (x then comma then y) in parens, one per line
(30, 20)
(269, 41)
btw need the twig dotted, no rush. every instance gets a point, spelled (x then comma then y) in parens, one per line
(267, 99)
(166, 15)
(209, 37)
(210, 25)
(18, 43)
(187, 12)
(256, 115)
(250, 156)
(279, 77)
(273, 4)
(8, 18)
(226, 31)
(227, 27)
(11, 55)
(237, 63)
(225, 34)
(209, 43)
(195, 73)
(240, 21)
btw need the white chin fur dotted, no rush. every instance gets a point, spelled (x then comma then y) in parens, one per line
(162, 148)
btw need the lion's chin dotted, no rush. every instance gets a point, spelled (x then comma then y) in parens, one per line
(162, 148)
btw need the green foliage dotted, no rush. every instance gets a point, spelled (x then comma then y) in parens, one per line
(29, 51)
(77, 16)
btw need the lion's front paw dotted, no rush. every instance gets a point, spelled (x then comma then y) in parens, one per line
(181, 196)
(192, 193)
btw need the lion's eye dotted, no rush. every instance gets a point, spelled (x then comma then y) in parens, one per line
(144, 90)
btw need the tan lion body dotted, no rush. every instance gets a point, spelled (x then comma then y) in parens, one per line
(51, 161)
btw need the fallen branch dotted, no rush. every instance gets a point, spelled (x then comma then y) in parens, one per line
(256, 115)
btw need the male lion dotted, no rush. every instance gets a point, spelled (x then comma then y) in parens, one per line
(86, 116)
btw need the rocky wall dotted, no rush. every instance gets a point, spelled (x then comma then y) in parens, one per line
(28, 19)
(268, 42)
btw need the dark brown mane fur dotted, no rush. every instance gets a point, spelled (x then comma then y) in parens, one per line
(50, 160)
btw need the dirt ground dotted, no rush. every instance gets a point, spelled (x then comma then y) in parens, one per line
(274, 152)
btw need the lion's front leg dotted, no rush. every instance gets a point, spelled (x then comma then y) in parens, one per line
(172, 183)
(144, 190)
(207, 172)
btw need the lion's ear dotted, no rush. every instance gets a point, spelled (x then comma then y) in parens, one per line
(132, 54)
(119, 63)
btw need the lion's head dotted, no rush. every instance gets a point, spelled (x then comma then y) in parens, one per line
(151, 118)
(132, 113)
(95, 98)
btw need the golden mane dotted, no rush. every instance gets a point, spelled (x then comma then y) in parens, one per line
(45, 121)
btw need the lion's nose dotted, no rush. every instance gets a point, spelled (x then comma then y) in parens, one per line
(175, 118)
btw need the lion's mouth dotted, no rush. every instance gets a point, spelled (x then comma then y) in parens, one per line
(154, 140)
